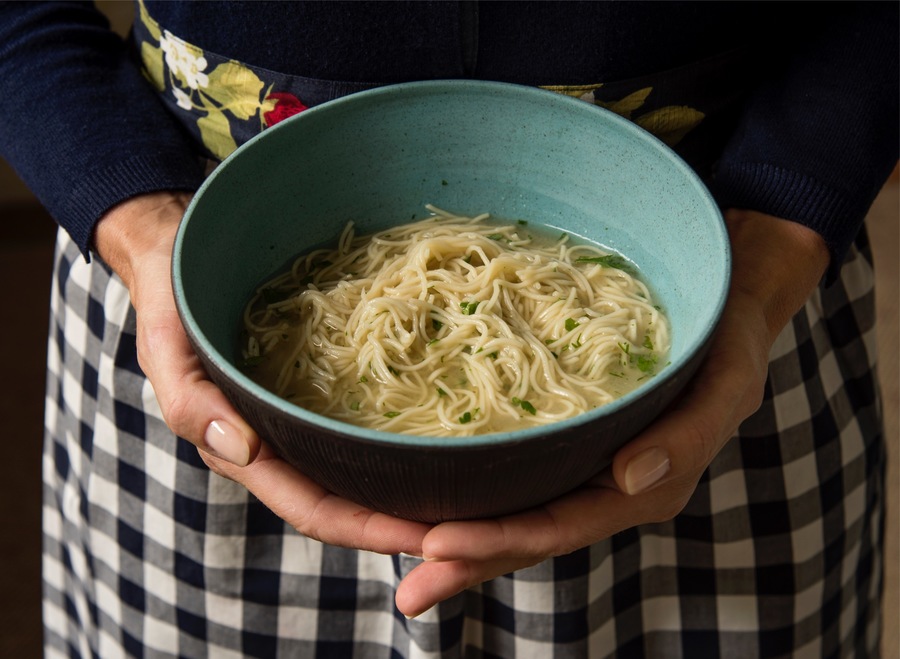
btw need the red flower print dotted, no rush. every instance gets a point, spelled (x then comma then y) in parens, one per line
(286, 105)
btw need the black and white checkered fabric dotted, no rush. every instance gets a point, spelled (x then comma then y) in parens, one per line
(148, 554)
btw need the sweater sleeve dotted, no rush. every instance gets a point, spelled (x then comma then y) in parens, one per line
(818, 141)
(78, 122)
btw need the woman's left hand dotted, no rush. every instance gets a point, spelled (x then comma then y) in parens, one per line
(776, 265)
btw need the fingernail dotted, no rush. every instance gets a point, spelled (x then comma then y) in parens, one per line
(415, 616)
(645, 469)
(225, 440)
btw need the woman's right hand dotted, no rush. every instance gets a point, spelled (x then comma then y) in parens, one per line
(135, 239)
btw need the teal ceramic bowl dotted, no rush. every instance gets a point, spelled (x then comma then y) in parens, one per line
(377, 158)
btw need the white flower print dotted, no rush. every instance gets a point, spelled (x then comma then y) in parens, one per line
(183, 62)
(183, 100)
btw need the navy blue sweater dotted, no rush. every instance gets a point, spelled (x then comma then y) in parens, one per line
(800, 102)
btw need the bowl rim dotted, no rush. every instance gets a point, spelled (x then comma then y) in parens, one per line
(697, 344)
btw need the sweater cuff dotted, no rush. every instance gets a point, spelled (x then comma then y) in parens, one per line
(96, 192)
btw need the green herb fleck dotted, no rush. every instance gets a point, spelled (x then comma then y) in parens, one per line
(571, 324)
(354, 406)
(496, 236)
(391, 415)
(646, 363)
(468, 308)
(525, 405)
(465, 418)
(608, 261)
(648, 342)
(436, 325)
(441, 393)
(393, 370)
(363, 379)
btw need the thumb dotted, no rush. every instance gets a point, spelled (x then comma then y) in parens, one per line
(193, 407)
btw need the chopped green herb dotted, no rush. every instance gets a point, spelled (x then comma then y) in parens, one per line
(523, 222)
(562, 236)
(571, 324)
(625, 347)
(468, 308)
(496, 236)
(363, 379)
(443, 182)
(354, 406)
(465, 418)
(441, 393)
(646, 363)
(608, 261)
(436, 325)
(648, 342)
(393, 370)
(525, 405)
(391, 415)
(432, 342)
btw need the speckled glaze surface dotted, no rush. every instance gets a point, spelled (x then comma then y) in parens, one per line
(377, 158)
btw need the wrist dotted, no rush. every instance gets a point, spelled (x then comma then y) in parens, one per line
(777, 262)
(138, 227)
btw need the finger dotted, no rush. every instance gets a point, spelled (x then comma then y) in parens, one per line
(433, 582)
(556, 528)
(193, 407)
(317, 513)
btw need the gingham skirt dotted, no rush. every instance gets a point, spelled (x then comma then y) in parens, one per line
(149, 554)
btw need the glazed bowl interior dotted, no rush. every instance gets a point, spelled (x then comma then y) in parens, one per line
(378, 157)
